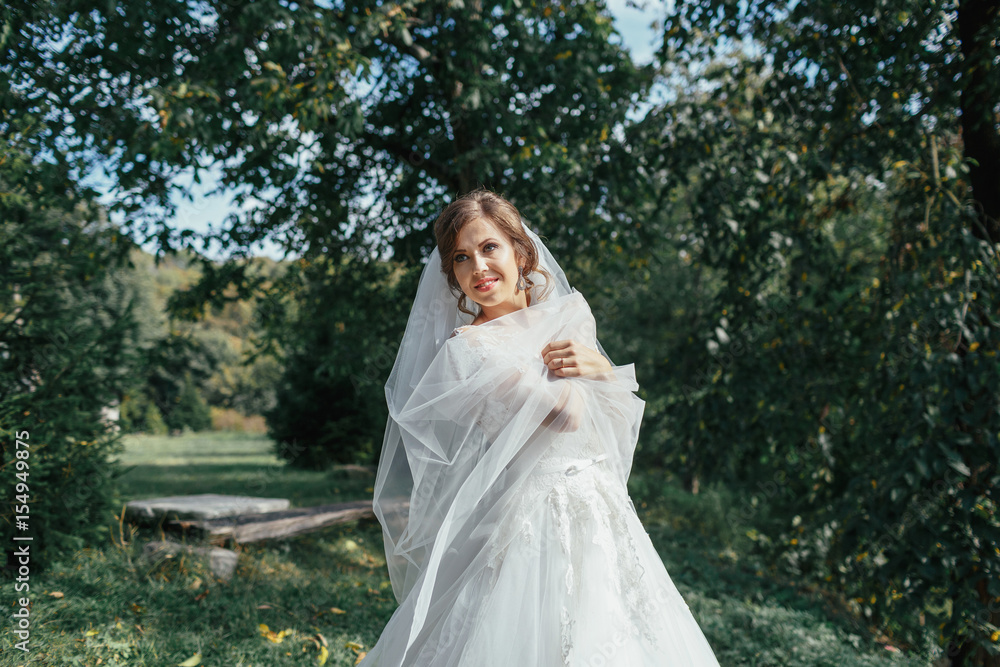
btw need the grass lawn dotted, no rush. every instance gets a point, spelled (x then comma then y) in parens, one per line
(327, 594)
(229, 463)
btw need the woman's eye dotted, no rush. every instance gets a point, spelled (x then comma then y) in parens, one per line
(490, 245)
(458, 258)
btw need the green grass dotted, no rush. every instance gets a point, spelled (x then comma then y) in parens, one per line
(226, 463)
(114, 608)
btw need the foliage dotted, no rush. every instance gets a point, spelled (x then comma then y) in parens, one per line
(850, 374)
(139, 414)
(867, 81)
(227, 419)
(932, 398)
(339, 348)
(217, 350)
(67, 333)
(243, 379)
(312, 108)
(189, 409)
(174, 369)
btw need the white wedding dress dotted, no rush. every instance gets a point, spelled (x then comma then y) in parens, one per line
(566, 575)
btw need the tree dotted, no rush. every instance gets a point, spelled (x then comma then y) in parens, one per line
(343, 128)
(839, 177)
(189, 409)
(355, 123)
(67, 335)
(139, 414)
(867, 79)
(338, 346)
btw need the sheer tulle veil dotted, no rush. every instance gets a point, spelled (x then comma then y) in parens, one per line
(432, 319)
(510, 538)
(471, 416)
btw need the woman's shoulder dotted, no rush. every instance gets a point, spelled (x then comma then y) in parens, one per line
(465, 327)
(457, 330)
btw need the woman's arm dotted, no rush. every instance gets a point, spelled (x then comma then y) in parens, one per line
(558, 404)
(566, 359)
(570, 358)
(567, 413)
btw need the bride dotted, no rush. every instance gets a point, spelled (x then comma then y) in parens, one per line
(510, 537)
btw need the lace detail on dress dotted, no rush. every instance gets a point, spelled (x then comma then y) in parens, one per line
(594, 499)
(483, 341)
(566, 634)
(628, 582)
(597, 500)
(475, 346)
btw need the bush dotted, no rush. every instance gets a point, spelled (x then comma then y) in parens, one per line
(227, 419)
(190, 410)
(66, 353)
(139, 414)
(340, 347)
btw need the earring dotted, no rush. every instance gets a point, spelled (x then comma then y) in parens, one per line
(521, 283)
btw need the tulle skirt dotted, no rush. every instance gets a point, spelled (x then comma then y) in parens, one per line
(573, 580)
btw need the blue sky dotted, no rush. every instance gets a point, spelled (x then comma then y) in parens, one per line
(633, 24)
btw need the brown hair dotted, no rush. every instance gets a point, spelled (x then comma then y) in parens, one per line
(482, 203)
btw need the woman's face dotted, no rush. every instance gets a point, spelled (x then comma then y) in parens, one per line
(485, 266)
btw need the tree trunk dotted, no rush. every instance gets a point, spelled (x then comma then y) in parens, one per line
(993, 609)
(980, 91)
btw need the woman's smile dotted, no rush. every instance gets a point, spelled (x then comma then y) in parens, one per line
(487, 284)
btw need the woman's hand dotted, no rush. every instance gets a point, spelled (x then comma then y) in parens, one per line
(568, 358)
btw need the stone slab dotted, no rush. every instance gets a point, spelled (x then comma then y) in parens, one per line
(222, 562)
(202, 507)
(278, 525)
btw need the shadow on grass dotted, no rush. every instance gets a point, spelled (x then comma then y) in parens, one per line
(302, 487)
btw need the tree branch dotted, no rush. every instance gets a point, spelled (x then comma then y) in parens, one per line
(423, 56)
(413, 158)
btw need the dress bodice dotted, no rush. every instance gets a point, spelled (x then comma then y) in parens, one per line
(474, 346)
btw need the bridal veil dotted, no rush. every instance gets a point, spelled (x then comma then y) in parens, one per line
(472, 417)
